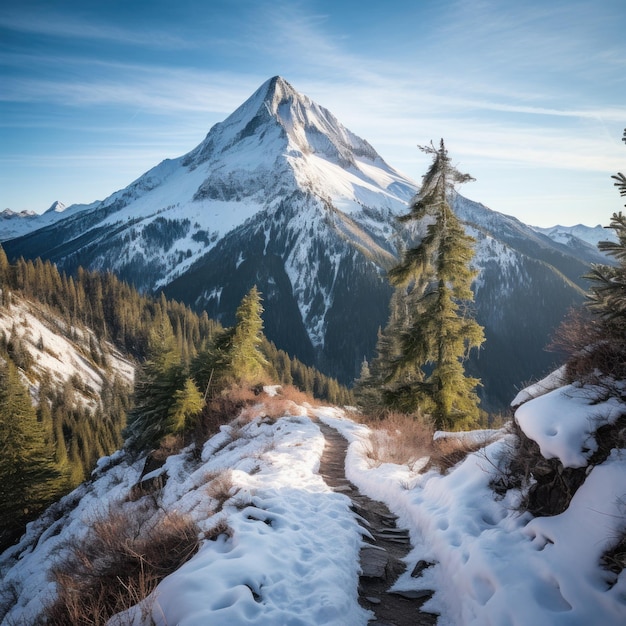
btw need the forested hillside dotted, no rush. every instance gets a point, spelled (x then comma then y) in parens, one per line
(68, 350)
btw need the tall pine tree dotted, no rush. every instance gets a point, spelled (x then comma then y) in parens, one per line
(607, 296)
(29, 478)
(247, 361)
(234, 355)
(435, 278)
(157, 382)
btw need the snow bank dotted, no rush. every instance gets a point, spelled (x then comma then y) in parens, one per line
(282, 565)
(563, 422)
(292, 554)
(290, 557)
(495, 566)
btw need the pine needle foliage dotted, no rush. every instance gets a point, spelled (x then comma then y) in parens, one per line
(606, 298)
(234, 355)
(158, 404)
(432, 322)
(607, 295)
(29, 476)
(247, 363)
(188, 403)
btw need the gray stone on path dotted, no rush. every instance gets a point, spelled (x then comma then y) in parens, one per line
(419, 568)
(413, 594)
(373, 600)
(373, 562)
(342, 488)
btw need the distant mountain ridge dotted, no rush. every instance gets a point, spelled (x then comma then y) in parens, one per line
(572, 236)
(282, 195)
(14, 224)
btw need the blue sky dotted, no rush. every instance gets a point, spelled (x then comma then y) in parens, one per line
(530, 96)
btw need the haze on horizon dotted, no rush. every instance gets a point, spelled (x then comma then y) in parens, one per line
(529, 97)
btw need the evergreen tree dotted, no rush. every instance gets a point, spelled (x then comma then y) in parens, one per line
(29, 478)
(435, 278)
(4, 270)
(607, 297)
(247, 361)
(187, 405)
(157, 382)
(234, 355)
(372, 387)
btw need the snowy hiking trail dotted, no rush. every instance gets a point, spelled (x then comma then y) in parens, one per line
(385, 545)
(292, 550)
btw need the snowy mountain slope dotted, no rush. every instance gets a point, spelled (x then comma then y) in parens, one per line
(580, 237)
(571, 260)
(13, 224)
(59, 353)
(288, 548)
(282, 195)
(277, 142)
(276, 551)
(316, 285)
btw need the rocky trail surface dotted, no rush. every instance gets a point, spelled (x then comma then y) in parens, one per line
(384, 549)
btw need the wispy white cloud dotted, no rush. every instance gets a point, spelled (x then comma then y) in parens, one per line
(164, 90)
(499, 81)
(68, 26)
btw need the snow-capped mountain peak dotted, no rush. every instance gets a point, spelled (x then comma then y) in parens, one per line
(300, 121)
(281, 130)
(282, 195)
(56, 207)
(567, 234)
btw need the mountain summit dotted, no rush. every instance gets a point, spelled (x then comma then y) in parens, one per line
(276, 116)
(280, 194)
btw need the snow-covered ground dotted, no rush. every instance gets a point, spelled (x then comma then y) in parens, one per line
(592, 235)
(495, 566)
(53, 354)
(291, 557)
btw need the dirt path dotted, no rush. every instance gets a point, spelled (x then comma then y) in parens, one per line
(382, 554)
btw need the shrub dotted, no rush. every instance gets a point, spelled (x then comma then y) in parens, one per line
(222, 409)
(119, 563)
(589, 352)
(449, 451)
(288, 400)
(399, 438)
(220, 488)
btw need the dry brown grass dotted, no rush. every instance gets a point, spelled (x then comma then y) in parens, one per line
(399, 438)
(614, 559)
(448, 451)
(220, 528)
(220, 488)
(289, 392)
(592, 350)
(119, 563)
(288, 400)
(222, 409)
(171, 444)
(408, 440)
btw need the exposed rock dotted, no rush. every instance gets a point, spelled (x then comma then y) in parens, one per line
(419, 568)
(373, 562)
(413, 594)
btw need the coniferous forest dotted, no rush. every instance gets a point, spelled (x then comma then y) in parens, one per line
(51, 441)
